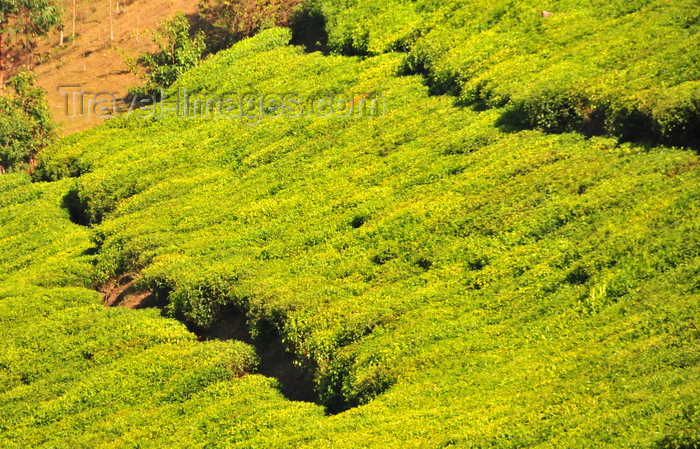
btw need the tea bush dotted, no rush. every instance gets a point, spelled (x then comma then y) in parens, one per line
(629, 68)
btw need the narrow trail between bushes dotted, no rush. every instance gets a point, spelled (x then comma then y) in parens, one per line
(123, 291)
(295, 378)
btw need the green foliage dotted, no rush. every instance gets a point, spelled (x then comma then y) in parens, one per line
(28, 15)
(20, 22)
(25, 123)
(619, 68)
(177, 52)
(457, 284)
(452, 279)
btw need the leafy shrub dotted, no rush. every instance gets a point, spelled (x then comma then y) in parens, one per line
(177, 52)
(233, 20)
(25, 123)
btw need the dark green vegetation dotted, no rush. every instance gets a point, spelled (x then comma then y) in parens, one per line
(25, 123)
(177, 53)
(449, 284)
(627, 68)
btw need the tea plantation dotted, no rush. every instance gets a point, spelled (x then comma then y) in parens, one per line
(628, 68)
(448, 276)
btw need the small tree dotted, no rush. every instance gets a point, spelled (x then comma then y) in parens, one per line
(25, 123)
(177, 52)
(23, 19)
(232, 20)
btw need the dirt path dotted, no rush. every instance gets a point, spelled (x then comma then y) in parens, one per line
(123, 291)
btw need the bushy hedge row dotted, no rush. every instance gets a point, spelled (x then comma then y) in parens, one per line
(619, 68)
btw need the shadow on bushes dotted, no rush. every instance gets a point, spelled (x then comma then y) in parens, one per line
(442, 83)
(309, 30)
(561, 113)
(296, 377)
(76, 207)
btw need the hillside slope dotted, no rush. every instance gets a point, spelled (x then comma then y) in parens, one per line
(92, 60)
(448, 283)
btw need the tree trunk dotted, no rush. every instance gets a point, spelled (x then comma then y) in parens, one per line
(111, 23)
(2, 64)
(73, 19)
(138, 19)
(28, 54)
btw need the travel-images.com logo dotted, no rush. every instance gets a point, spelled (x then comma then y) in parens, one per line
(249, 108)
